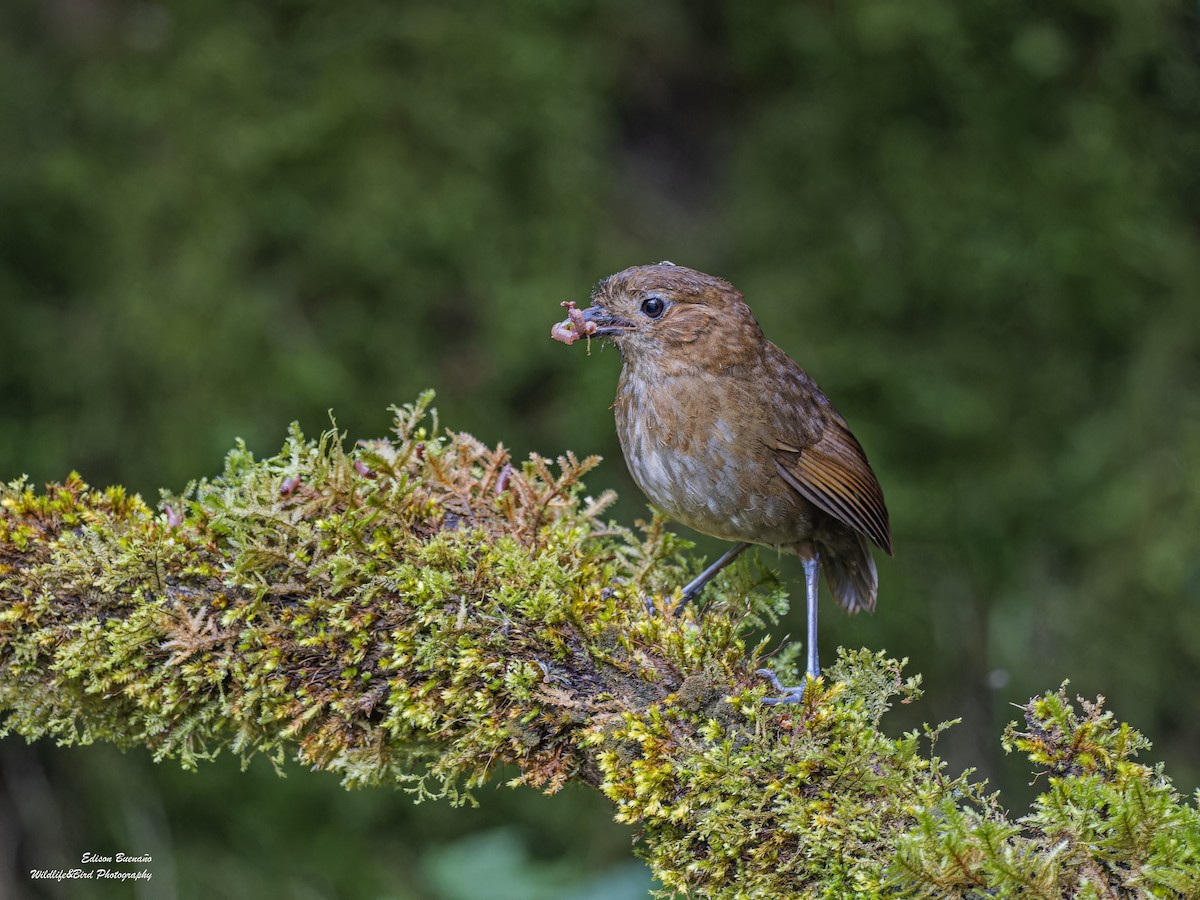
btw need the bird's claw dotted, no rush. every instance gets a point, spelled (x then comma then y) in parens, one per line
(672, 610)
(686, 598)
(787, 694)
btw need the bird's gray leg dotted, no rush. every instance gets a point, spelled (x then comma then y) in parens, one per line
(697, 584)
(810, 559)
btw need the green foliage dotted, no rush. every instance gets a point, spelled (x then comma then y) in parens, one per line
(418, 611)
(1105, 826)
(807, 800)
(265, 603)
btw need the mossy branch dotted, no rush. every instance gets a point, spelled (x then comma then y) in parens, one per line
(421, 610)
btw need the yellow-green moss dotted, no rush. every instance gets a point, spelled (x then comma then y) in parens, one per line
(418, 611)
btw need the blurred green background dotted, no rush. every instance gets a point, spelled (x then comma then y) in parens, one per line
(977, 225)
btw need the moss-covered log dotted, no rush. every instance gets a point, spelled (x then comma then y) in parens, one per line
(419, 611)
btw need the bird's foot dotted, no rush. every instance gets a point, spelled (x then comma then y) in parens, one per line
(666, 606)
(787, 694)
(685, 598)
(667, 609)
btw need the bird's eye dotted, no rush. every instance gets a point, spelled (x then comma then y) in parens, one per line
(653, 307)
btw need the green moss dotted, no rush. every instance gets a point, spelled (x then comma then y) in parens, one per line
(419, 611)
(1105, 826)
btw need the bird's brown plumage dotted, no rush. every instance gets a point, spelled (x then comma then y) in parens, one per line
(726, 434)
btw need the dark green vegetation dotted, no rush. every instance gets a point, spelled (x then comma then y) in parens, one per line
(975, 224)
(420, 613)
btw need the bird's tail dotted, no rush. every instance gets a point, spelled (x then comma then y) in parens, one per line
(850, 572)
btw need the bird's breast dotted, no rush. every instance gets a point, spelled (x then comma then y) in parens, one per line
(696, 449)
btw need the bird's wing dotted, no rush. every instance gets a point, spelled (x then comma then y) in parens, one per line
(833, 474)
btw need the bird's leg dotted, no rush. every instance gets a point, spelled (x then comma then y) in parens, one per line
(810, 559)
(696, 585)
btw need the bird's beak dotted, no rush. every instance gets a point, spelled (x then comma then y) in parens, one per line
(607, 325)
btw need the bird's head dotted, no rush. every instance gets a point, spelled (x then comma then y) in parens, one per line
(671, 316)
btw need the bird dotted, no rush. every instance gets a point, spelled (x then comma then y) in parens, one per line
(727, 435)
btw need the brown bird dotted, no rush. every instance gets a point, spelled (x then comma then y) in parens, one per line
(726, 434)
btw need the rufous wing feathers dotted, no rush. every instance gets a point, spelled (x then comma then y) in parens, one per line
(834, 475)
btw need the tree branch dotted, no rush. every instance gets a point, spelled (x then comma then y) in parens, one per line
(420, 610)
